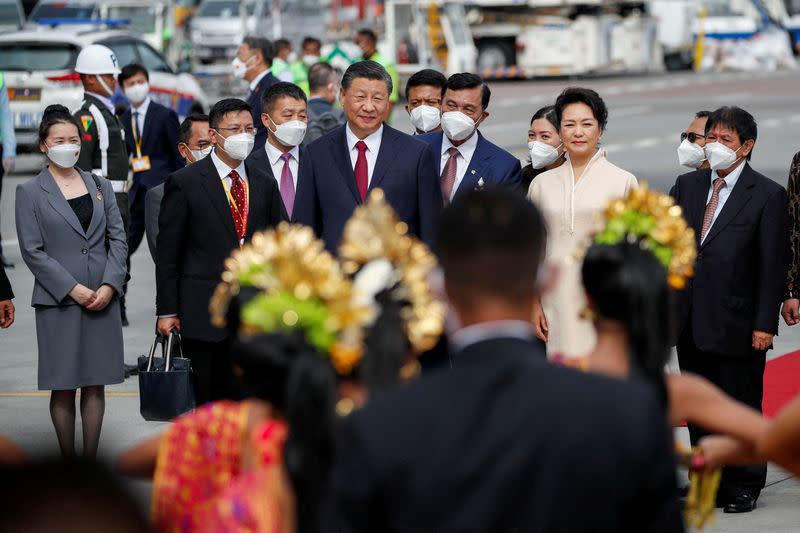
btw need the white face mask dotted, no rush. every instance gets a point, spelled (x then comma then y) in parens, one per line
(240, 67)
(720, 156)
(310, 61)
(238, 146)
(425, 118)
(290, 133)
(64, 155)
(137, 93)
(691, 154)
(542, 154)
(199, 154)
(457, 126)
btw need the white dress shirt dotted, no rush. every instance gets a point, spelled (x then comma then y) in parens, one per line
(223, 170)
(142, 111)
(105, 99)
(373, 142)
(498, 329)
(724, 193)
(466, 151)
(275, 161)
(257, 79)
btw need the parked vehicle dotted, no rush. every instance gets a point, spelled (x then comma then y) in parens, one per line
(12, 17)
(38, 67)
(218, 27)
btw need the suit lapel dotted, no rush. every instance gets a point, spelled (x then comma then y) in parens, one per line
(341, 160)
(149, 121)
(739, 197)
(698, 199)
(59, 203)
(385, 157)
(98, 205)
(258, 190)
(436, 148)
(217, 196)
(477, 166)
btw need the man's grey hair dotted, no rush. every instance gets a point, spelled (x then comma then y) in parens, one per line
(366, 69)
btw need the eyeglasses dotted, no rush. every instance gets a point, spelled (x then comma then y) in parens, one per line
(233, 131)
(692, 136)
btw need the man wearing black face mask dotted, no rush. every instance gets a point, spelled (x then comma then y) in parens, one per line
(728, 314)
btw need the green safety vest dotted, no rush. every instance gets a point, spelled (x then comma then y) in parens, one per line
(300, 75)
(279, 66)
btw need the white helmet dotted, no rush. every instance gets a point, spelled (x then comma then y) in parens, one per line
(97, 59)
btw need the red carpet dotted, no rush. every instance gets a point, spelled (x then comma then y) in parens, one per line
(781, 382)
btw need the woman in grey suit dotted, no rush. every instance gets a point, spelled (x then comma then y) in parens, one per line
(72, 239)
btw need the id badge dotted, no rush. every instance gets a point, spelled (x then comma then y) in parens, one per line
(140, 164)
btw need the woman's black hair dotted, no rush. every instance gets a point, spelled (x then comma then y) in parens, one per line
(284, 370)
(581, 95)
(627, 284)
(55, 114)
(548, 113)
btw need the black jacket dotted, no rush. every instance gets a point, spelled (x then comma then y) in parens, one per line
(159, 142)
(506, 442)
(5, 286)
(91, 155)
(258, 159)
(195, 236)
(741, 266)
(254, 99)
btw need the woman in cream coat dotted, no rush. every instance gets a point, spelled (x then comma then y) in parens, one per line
(570, 197)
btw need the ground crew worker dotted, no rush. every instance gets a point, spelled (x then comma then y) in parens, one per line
(286, 67)
(103, 150)
(368, 41)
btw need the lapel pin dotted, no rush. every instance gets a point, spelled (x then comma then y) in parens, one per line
(480, 185)
(473, 172)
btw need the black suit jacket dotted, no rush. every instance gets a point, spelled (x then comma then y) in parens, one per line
(404, 169)
(505, 442)
(741, 266)
(5, 286)
(159, 141)
(254, 99)
(195, 236)
(258, 159)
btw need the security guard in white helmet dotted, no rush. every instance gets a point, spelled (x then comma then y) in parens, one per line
(103, 150)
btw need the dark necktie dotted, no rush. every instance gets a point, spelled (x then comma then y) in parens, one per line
(711, 208)
(238, 205)
(448, 179)
(136, 123)
(361, 170)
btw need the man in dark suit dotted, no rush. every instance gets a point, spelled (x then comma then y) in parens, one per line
(254, 59)
(465, 160)
(504, 441)
(6, 295)
(728, 314)
(209, 209)
(151, 135)
(194, 144)
(285, 117)
(340, 168)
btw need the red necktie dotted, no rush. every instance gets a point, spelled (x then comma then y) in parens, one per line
(238, 205)
(361, 170)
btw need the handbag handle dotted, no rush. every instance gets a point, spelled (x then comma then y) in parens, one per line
(168, 356)
(156, 341)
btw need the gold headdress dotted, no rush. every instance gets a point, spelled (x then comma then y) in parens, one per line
(654, 221)
(301, 286)
(377, 250)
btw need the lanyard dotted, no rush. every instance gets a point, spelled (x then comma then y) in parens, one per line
(242, 214)
(136, 139)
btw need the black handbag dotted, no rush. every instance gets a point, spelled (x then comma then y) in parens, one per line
(165, 383)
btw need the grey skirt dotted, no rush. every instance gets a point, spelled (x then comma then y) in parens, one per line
(79, 348)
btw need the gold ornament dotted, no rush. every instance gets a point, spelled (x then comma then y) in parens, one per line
(374, 233)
